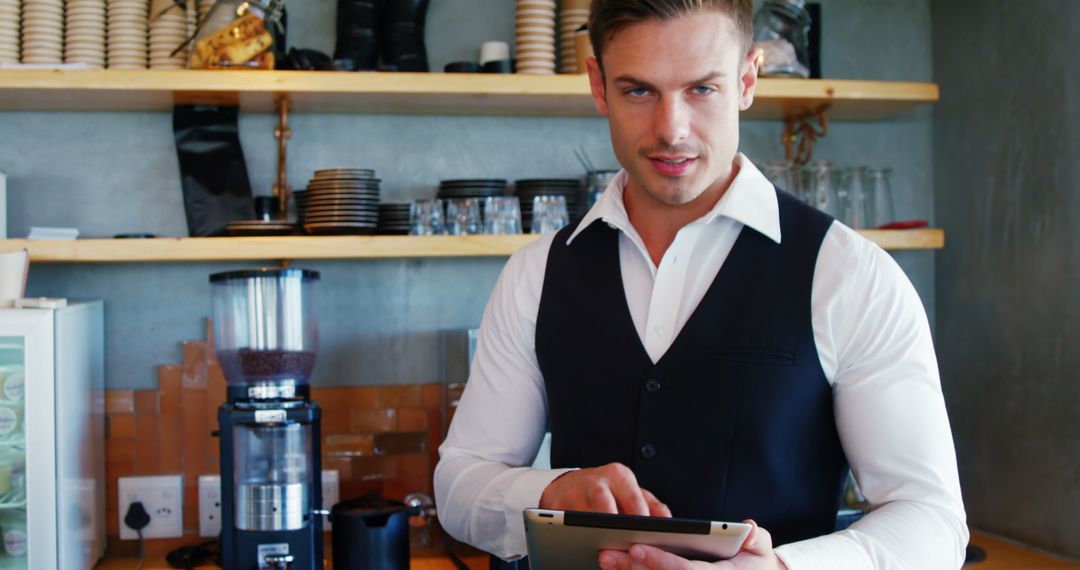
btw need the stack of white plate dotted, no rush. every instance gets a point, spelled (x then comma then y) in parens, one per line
(9, 31)
(535, 37)
(167, 32)
(43, 31)
(572, 15)
(84, 34)
(126, 39)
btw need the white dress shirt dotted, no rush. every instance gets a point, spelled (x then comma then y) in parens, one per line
(872, 337)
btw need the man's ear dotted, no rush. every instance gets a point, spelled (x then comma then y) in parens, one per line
(748, 79)
(596, 82)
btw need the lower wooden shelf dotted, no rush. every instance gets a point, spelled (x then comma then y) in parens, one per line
(335, 247)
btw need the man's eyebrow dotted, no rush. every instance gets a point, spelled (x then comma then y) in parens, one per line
(631, 80)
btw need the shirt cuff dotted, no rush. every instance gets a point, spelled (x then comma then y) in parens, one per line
(830, 552)
(523, 494)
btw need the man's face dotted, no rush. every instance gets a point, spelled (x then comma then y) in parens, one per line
(672, 91)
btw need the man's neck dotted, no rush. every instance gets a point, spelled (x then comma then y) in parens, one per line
(657, 223)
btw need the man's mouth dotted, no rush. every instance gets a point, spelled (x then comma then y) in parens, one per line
(672, 165)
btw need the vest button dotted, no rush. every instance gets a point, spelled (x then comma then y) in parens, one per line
(648, 451)
(653, 385)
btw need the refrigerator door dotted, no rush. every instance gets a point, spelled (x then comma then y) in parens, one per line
(26, 359)
(80, 434)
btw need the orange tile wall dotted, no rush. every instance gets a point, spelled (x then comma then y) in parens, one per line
(382, 438)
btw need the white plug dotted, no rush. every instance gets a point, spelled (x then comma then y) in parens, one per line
(163, 498)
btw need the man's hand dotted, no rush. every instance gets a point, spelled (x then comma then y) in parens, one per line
(756, 554)
(610, 489)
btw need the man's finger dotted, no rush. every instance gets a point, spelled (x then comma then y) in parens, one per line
(759, 541)
(601, 500)
(656, 508)
(655, 559)
(628, 494)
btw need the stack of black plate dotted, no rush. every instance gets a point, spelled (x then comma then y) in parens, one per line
(300, 199)
(476, 188)
(393, 219)
(342, 201)
(526, 190)
(260, 228)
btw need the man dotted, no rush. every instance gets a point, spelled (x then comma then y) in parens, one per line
(702, 345)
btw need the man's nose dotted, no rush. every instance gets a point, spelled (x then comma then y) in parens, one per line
(671, 121)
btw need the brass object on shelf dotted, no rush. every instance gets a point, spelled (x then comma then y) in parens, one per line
(800, 133)
(282, 133)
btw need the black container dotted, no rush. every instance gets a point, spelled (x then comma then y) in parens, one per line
(370, 534)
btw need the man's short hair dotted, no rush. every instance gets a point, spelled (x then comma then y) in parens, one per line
(606, 17)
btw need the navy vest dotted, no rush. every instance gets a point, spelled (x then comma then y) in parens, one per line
(736, 419)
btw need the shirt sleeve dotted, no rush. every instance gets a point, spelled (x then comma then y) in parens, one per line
(876, 348)
(482, 480)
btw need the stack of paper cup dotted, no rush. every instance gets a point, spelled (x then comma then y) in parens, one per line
(192, 19)
(43, 31)
(535, 36)
(127, 33)
(204, 7)
(572, 15)
(84, 33)
(167, 32)
(9, 31)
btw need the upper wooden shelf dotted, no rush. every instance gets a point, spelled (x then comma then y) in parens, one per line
(411, 93)
(336, 247)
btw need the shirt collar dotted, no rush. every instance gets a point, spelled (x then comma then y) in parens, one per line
(751, 200)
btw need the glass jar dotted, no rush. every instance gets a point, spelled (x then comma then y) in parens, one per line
(236, 35)
(781, 31)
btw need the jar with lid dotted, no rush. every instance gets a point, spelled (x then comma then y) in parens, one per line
(235, 34)
(781, 31)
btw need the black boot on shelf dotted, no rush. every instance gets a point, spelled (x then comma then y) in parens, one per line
(358, 23)
(402, 40)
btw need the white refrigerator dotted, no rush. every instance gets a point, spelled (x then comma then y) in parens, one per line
(52, 428)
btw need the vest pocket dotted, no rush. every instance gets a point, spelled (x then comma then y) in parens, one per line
(767, 356)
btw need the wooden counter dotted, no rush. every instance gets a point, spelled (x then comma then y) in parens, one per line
(432, 563)
(1000, 555)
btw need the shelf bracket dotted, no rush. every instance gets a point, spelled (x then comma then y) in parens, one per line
(801, 131)
(282, 104)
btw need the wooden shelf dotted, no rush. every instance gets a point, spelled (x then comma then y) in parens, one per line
(411, 93)
(334, 247)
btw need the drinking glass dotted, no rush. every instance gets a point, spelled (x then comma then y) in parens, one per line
(821, 189)
(502, 215)
(881, 196)
(858, 208)
(785, 175)
(598, 181)
(549, 214)
(463, 217)
(426, 217)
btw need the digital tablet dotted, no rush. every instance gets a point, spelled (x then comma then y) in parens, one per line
(572, 540)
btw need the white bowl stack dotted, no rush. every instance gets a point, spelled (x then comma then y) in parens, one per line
(167, 32)
(572, 15)
(127, 32)
(535, 37)
(10, 16)
(43, 31)
(84, 33)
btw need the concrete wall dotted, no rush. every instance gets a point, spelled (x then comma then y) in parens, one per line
(1006, 147)
(392, 321)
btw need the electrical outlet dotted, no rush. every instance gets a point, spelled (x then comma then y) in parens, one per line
(330, 493)
(209, 505)
(163, 498)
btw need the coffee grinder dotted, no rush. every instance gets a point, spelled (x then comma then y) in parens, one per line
(266, 338)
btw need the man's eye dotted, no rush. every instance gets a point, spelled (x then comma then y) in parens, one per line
(638, 92)
(704, 90)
